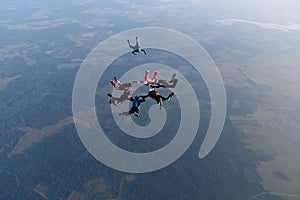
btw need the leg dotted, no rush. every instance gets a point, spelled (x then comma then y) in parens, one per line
(136, 113)
(143, 50)
(160, 103)
(172, 84)
(168, 97)
(113, 84)
(173, 77)
(155, 75)
(118, 82)
(134, 52)
(146, 77)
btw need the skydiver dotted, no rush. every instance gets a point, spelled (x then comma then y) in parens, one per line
(157, 97)
(164, 83)
(119, 100)
(136, 48)
(148, 81)
(135, 106)
(121, 86)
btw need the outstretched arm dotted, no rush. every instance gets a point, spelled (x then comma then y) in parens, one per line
(133, 82)
(136, 46)
(172, 84)
(142, 99)
(157, 85)
(144, 96)
(130, 46)
(136, 40)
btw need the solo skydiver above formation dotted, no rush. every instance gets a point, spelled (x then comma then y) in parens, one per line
(136, 48)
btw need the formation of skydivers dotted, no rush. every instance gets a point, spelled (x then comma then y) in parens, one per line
(153, 83)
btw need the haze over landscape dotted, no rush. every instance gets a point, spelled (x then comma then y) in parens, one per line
(255, 45)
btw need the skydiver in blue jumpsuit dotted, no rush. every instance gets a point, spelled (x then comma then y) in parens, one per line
(136, 48)
(135, 106)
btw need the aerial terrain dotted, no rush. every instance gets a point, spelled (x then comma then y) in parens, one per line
(255, 46)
